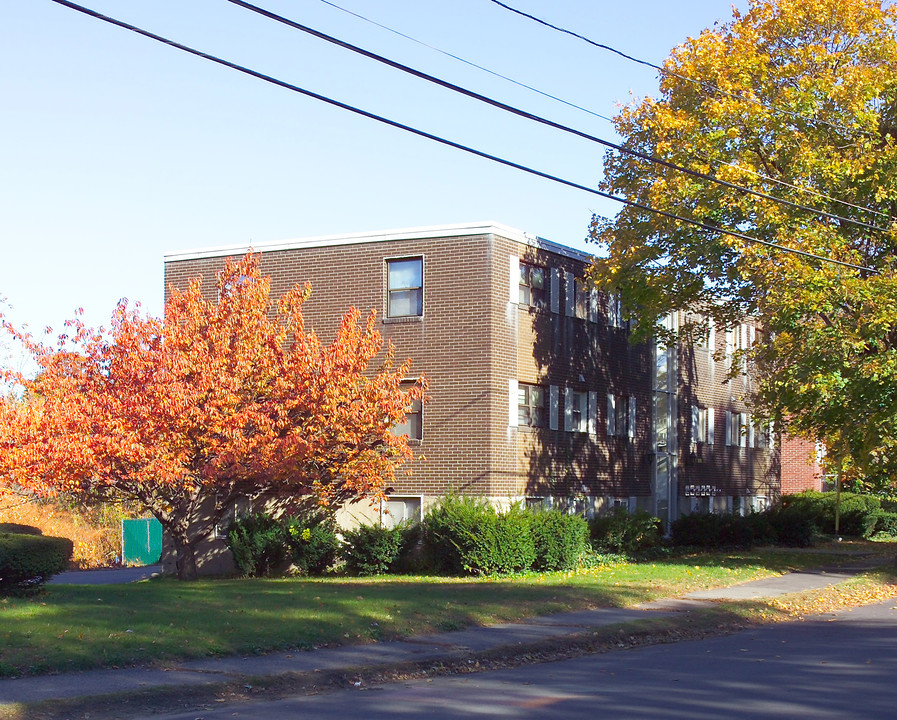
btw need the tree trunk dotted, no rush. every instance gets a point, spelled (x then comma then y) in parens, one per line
(185, 549)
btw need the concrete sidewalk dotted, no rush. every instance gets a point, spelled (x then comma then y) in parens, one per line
(106, 576)
(382, 656)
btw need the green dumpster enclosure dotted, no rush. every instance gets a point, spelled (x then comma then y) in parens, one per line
(141, 541)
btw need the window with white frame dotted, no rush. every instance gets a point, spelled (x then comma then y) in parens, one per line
(531, 406)
(705, 338)
(621, 416)
(239, 508)
(397, 511)
(701, 425)
(405, 287)
(581, 298)
(576, 410)
(615, 311)
(736, 429)
(413, 426)
(534, 282)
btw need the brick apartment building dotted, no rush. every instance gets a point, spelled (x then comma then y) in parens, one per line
(536, 391)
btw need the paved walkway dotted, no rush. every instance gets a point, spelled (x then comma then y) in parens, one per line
(425, 648)
(108, 576)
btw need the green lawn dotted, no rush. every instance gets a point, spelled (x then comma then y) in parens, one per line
(71, 627)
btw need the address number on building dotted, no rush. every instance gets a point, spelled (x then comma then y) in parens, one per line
(701, 490)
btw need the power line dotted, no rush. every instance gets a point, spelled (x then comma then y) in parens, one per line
(544, 121)
(704, 85)
(768, 178)
(468, 62)
(451, 143)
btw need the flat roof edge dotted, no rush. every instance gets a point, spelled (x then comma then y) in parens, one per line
(414, 233)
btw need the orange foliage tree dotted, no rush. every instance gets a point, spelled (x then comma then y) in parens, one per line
(215, 401)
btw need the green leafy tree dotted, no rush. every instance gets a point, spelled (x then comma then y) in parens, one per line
(795, 99)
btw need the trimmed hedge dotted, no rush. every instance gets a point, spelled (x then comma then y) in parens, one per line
(19, 529)
(28, 561)
(620, 531)
(449, 529)
(502, 544)
(820, 508)
(561, 540)
(372, 549)
(885, 524)
(469, 535)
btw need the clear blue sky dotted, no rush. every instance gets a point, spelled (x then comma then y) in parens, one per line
(116, 149)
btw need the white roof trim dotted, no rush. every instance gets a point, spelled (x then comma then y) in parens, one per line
(416, 233)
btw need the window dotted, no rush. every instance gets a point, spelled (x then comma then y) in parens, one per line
(240, 508)
(582, 297)
(578, 297)
(701, 425)
(621, 416)
(615, 311)
(413, 426)
(405, 287)
(700, 505)
(731, 345)
(580, 410)
(533, 287)
(577, 410)
(705, 337)
(398, 510)
(531, 406)
(539, 503)
(736, 429)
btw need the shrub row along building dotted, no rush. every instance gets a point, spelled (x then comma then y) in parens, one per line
(536, 391)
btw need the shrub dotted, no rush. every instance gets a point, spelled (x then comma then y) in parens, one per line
(790, 526)
(94, 529)
(560, 540)
(413, 557)
(885, 525)
(28, 561)
(19, 529)
(721, 530)
(889, 503)
(820, 509)
(259, 544)
(698, 529)
(625, 532)
(463, 534)
(313, 543)
(372, 549)
(504, 545)
(449, 529)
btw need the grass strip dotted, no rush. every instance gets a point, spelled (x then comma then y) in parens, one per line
(72, 627)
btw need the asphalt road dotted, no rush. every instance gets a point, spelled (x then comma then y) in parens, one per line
(840, 667)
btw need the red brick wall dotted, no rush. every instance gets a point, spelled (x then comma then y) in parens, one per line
(472, 340)
(733, 470)
(800, 466)
(449, 343)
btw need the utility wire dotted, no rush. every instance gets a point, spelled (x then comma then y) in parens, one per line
(704, 85)
(777, 181)
(544, 121)
(450, 143)
(468, 62)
